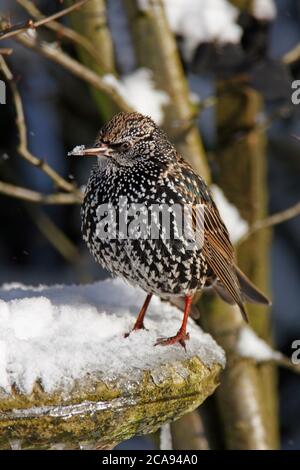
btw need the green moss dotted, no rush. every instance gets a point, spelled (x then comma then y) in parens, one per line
(115, 411)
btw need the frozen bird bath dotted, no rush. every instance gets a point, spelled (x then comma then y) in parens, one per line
(69, 379)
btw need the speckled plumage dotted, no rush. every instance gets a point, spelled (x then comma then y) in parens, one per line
(162, 267)
(143, 166)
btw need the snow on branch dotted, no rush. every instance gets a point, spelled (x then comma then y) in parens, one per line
(264, 10)
(138, 88)
(236, 225)
(251, 346)
(199, 21)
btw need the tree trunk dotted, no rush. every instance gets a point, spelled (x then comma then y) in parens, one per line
(241, 158)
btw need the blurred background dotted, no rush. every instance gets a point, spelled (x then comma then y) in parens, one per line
(42, 244)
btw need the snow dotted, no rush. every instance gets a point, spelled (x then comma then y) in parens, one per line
(235, 224)
(76, 150)
(143, 5)
(199, 21)
(138, 89)
(165, 437)
(31, 32)
(251, 346)
(61, 333)
(264, 9)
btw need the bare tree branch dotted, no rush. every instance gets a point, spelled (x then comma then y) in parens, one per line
(292, 56)
(15, 30)
(23, 148)
(286, 363)
(55, 54)
(64, 32)
(19, 192)
(56, 237)
(271, 221)
(281, 361)
(188, 432)
(6, 50)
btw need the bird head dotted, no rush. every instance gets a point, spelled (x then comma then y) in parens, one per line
(126, 139)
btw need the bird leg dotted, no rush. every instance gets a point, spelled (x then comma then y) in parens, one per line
(182, 336)
(139, 324)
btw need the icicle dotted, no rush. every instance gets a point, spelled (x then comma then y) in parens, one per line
(15, 444)
(165, 437)
(58, 446)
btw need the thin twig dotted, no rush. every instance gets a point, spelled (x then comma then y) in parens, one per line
(23, 148)
(281, 360)
(64, 32)
(6, 50)
(55, 54)
(207, 102)
(282, 112)
(286, 362)
(19, 192)
(292, 56)
(271, 221)
(16, 30)
(54, 234)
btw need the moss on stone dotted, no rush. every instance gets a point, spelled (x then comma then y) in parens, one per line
(97, 412)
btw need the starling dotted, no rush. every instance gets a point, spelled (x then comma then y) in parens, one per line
(138, 168)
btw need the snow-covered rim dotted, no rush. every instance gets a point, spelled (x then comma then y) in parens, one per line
(60, 334)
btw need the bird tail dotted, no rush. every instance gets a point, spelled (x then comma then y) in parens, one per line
(248, 292)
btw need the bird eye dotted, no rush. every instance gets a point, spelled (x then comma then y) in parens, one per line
(125, 146)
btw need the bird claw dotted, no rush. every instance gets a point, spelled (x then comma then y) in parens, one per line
(135, 328)
(180, 338)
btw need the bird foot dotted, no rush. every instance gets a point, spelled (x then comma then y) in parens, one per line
(135, 328)
(180, 338)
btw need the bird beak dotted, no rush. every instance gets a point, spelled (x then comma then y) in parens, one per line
(102, 150)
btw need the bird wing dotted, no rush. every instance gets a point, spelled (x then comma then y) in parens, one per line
(216, 244)
(219, 254)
